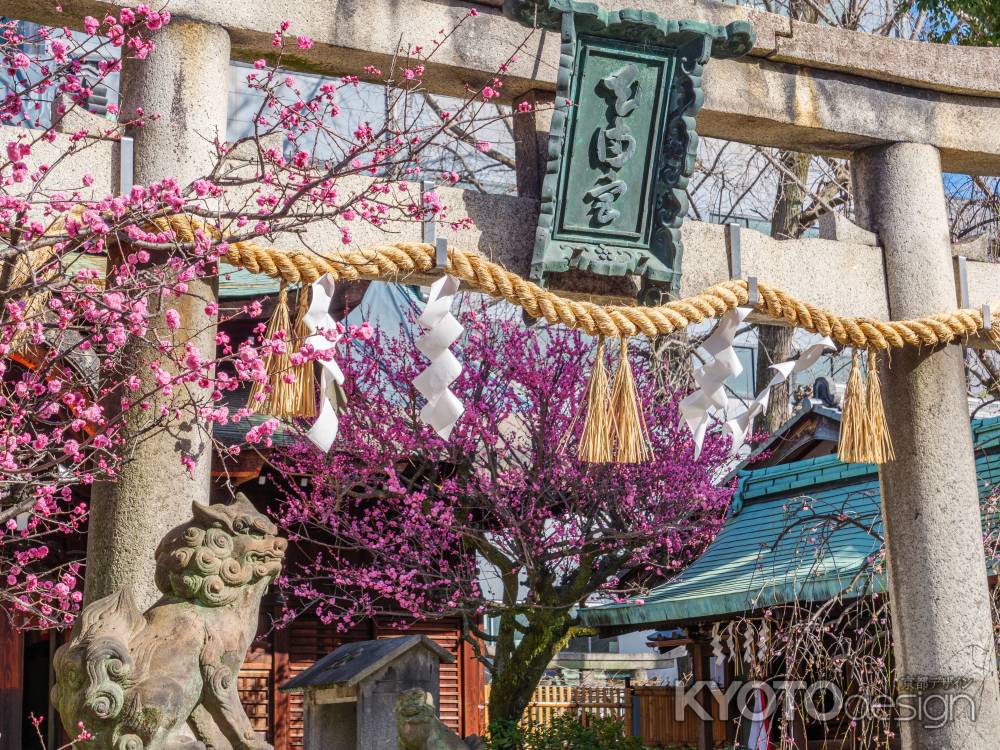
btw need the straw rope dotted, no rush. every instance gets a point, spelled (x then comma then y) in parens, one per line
(395, 261)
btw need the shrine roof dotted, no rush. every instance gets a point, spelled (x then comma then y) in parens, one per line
(767, 553)
(238, 282)
(351, 663)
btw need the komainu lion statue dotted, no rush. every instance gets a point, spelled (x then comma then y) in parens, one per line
(165, 679)
(419, 728)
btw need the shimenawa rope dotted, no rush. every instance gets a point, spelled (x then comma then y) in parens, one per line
(863, 417)
(395, 261)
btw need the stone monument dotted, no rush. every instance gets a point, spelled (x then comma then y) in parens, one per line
(165, 679)
(375, 695)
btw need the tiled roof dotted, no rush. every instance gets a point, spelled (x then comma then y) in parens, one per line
(767, 551)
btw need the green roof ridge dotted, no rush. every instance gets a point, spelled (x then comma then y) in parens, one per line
(770, 480)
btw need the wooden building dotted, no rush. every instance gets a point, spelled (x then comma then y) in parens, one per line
(769, 556)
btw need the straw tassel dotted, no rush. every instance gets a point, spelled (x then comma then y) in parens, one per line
(598, 437)
(864, 435)
(877, 427)
(280, 396)
(305, 375)
(630, 425)
(853, 422)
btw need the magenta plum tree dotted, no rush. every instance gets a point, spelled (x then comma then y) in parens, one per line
(501, 520)
(84, 349)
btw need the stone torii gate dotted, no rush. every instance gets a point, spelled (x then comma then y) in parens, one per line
(902, 111)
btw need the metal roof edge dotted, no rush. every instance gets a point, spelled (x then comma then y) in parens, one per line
(821, 470)
(717, 607)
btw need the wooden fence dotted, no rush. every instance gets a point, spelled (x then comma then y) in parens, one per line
(550, 701)
(647, 712)
(657, 724)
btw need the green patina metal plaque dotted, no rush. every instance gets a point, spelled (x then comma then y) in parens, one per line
(622, 143)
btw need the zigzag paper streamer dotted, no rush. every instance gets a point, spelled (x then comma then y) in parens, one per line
(711, 377)
(717, 653)
(324, 429)
(711, 397)
(739, 426)
(731, 643)
(749, 638)
(763, 641)
(443, 407)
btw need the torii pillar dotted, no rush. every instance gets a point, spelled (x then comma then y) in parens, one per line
(941, 613)
(184, 83)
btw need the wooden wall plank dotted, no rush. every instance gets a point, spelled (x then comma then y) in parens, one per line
(280, 703)
(11, 677)
(473, 678)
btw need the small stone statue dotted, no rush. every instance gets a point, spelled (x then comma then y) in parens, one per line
(420, 728)
(165, 679)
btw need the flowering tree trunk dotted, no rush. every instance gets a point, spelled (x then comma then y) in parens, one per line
(518, 673)
(775, 343)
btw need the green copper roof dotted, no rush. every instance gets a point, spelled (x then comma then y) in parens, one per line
(233, 282)
(238, 282)
(767, 551)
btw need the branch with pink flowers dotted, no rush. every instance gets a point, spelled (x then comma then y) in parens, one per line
(91, 333)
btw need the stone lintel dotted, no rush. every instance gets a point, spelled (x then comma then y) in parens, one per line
(337, 694)
(611, 662)
(845, 276)
(803, 88)
(937, 67)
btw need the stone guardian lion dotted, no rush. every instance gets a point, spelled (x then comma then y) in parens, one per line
(419, 728)
(165, 679)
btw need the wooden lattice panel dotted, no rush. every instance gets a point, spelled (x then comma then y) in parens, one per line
(254, 687)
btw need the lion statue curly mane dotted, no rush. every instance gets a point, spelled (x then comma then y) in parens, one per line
(165, 679)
